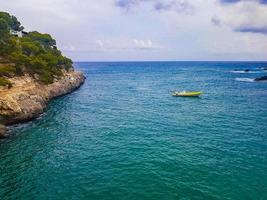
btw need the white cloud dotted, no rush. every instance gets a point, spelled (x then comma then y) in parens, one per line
(143, 44)
(117, 44)
(100, 43)
(244, 15)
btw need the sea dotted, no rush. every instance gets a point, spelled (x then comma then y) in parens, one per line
(123, 136)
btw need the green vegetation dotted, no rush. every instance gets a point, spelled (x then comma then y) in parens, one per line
(11, 21)
(5, 82)
(33, 53)
(7, 71)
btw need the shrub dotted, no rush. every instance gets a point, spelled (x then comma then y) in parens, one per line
(46, 77)
(3, 28)
(45, 39)
(5, 82)
(7, 71)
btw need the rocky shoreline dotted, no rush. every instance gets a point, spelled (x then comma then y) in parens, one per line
(27, 99)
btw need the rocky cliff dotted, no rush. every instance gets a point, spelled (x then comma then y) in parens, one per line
(28, 98)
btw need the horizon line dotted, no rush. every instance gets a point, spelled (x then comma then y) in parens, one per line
(172, 61)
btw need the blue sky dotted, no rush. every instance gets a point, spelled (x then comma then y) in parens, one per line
(137, 30)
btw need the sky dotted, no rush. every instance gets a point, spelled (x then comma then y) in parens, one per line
(149, 30)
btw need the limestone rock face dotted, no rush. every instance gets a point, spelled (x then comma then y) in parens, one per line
(27, 99)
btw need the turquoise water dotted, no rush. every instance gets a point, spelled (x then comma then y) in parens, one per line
(123, 136)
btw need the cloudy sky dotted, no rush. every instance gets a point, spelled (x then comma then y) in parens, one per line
(119, 30)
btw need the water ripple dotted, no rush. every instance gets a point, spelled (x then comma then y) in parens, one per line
(123, 136)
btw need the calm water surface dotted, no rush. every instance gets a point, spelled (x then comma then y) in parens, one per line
(123, 136)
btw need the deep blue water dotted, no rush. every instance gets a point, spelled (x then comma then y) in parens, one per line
(123, 136)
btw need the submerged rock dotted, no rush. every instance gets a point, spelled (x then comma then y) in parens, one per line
(3, 132)
(263, 78)
(239, 70)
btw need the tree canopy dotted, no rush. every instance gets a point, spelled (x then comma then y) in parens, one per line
(12, 21)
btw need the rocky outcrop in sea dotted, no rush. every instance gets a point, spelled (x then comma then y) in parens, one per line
(263, 78)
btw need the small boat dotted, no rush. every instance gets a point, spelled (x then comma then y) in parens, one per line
(186, 94)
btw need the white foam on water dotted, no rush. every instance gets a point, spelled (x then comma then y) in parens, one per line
(245, 79)
(249, 72)
(142, 88)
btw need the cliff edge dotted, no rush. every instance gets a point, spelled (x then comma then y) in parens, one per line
(28, 98)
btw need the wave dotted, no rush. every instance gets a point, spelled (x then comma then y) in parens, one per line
(244, 72)
(245, 79)
(143, 88)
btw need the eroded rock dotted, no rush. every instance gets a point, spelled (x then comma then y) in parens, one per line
(27, 99)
